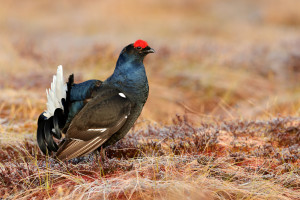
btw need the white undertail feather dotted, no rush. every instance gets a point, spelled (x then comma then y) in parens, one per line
(56, 93)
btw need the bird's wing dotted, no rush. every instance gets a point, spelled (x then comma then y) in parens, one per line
(102, 116)
(80, 94)
(51, 124)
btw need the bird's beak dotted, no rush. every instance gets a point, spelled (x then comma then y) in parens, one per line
(148, 50)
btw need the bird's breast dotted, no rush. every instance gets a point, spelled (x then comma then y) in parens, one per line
(136, 91)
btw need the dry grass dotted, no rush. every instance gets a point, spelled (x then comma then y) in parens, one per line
(222, 119)
(225, 160)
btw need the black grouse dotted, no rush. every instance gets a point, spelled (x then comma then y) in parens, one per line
(94, 114)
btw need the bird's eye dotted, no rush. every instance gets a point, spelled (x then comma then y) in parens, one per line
(139, 48)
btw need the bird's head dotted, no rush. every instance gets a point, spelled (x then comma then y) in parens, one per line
(139, 49)
(130, 75)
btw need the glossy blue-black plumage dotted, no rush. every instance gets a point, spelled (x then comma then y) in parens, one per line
(79, 94)
(82, 91)
(83, 108)
(130, 77)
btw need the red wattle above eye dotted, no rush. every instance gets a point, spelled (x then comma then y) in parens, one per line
(140, 43)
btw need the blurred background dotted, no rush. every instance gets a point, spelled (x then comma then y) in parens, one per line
(214, 59)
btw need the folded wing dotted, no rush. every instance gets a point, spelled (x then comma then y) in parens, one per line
(98, 120)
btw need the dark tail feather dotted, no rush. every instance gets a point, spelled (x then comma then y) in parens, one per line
(41, 134)
(49, 135)
(59, 121)
(49, 128)
(67, 102)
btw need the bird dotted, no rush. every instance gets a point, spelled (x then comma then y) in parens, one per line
(83, 117)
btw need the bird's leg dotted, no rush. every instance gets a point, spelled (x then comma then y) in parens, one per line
(103, 154)
(95, 155)
(100, 152)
